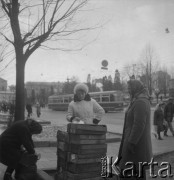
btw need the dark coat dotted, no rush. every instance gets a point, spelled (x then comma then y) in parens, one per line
(158, 119)
(137, 131)
(11, 141)
(168, 112)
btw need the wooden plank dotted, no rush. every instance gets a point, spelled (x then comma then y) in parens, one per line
(85, 161)
(65, 137)
(80, 158)
(80, 139)
(62, 146)
(86, 129)
(80, 147)
(82, 176)
(87, 146)
(94, 141)
(82, 168)
(71, 156)
(62, 136)
(87, 137)
(80, 131)
(96, 178)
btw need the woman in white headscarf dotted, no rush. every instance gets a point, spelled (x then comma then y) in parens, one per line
(83, 109)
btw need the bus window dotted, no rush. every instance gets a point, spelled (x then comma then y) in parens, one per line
(105, 99)
(112, 98)
(97, 98)
(66, 100)
(59, 100)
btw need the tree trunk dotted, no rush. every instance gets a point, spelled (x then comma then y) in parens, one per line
(20, 91)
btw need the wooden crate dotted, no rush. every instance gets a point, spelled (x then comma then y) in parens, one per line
(79, 151)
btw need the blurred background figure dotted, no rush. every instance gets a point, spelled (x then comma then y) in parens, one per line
(168, 115)
(38, 109)
(29, 110)
(158, 120)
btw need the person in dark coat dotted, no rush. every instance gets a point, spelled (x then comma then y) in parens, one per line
(14, 140)
(168, 115)
(29, 110)
(38, 109)
(158, 119)
(136, 145)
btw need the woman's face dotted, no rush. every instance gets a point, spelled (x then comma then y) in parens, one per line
(81, 95)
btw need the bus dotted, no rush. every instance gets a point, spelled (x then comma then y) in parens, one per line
(109, 100)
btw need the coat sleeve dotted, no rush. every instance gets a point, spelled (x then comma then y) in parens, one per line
(155, 117)
(139, 122)
(27, 141)
(165, 112)
(70, 113)
(98, 110)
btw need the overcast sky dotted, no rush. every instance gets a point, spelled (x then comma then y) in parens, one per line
(128, 26)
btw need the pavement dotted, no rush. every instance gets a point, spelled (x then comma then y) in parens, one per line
(48, 159)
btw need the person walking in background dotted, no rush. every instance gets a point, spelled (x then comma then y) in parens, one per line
(29, 110)
(136, 145)
(84, 109)
(168, 115)
(18, 135)
(158, 120)
(38, 109)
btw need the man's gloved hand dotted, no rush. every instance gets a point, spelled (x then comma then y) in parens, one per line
(95, 121)
(131, 147)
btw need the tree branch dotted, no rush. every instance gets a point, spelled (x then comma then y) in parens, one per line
(7, 38)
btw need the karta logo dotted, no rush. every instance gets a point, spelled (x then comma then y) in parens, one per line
(108, 166)
(163, 169)
(115, 166)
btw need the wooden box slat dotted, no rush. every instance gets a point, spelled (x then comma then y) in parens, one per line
(79, 168)
(86, 129)
(81, 176)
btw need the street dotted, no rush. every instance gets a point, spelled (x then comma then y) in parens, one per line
(59, 117)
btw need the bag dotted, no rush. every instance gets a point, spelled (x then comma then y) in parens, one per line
(27, 168)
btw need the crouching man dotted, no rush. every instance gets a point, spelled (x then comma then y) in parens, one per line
(17, 147)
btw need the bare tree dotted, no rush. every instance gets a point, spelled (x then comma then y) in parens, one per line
(27, 25)
(132, 69)
(149, 66)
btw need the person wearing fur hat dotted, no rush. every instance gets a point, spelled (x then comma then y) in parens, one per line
(18, 135)
(84, 109)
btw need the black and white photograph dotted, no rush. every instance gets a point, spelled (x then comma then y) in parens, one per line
(86, 89)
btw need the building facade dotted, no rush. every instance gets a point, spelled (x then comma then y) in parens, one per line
(3, 85)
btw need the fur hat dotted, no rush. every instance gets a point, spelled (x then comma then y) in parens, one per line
(82, 87)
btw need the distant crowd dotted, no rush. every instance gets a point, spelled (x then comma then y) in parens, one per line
(7, 107)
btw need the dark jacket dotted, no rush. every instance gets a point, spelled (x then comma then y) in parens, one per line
(11, 141)
(29, 108)
(136, 131)
(168, 112)
(158, 117)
